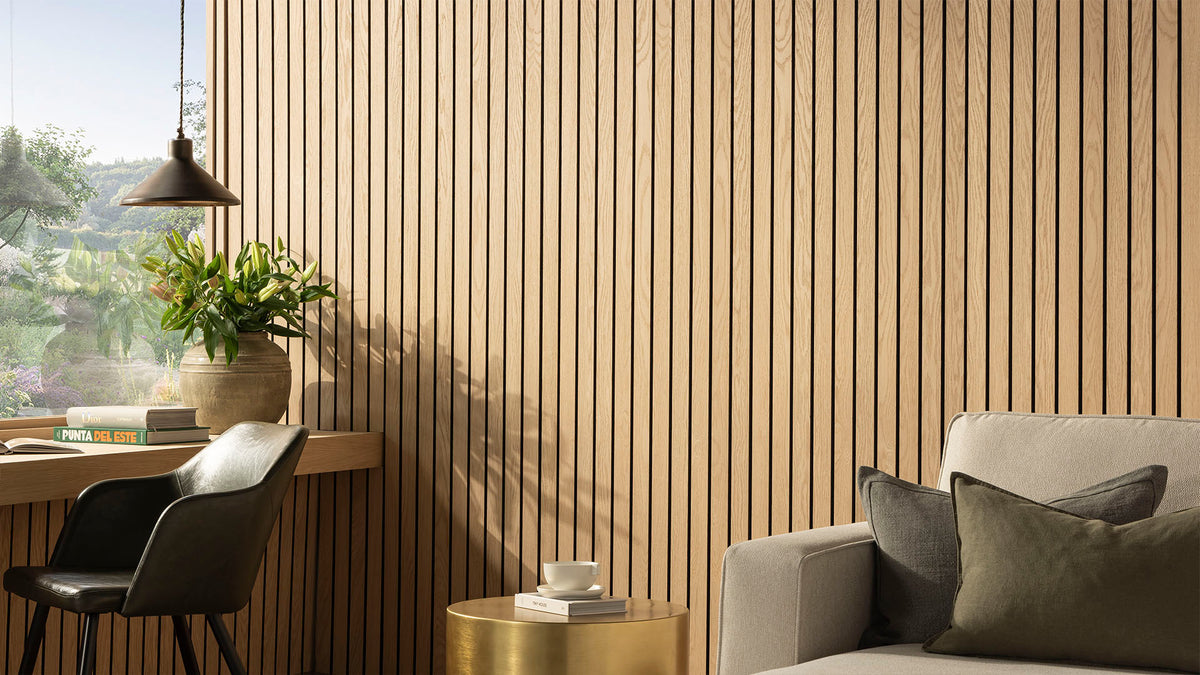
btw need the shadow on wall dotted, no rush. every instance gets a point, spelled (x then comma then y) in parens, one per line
(467, 491)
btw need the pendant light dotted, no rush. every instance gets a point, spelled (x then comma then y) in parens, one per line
(180, 181)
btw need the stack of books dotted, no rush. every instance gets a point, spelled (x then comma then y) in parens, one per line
(584, 607)
(131, 425)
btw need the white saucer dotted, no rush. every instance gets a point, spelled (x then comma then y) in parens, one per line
(547, 592)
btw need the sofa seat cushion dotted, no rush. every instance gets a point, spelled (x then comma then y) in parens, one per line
(909, 658)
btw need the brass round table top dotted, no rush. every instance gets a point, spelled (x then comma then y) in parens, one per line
(503, 609)
(493, 636)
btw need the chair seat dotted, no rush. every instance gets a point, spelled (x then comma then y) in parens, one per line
(75, 590)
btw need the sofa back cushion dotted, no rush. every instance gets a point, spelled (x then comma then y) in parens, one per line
(1043, 456)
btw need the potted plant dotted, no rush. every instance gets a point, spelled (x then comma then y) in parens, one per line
(235, 373)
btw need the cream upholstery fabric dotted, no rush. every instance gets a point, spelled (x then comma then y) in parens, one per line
(795, 598)
(1041, 456)
(910, 660)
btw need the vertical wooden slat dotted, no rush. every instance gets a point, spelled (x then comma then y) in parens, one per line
(641, 412)
(624, 209)
(1021, 218)
(1116, 209)
(297, 646)
(887, 278)
(1045, 225)
(1166, 208)
(529, 322)
(720, 236)
(459, 385)
(441, 347)
(424, 328)
(908, 346)
(977, 131)
(842, 216)
(954, 254)
(760, 258)
(866, 245)
(932, 193)
(1092, 308)
(680, 542)
(53, 656)
(605, 534)
(999, 237)
(409, 328)
(19, 608)
(740, 292)
(569, 367)
(1069, 170)
(822, 255)
(1188, 97)
(476, 261)
(587, 403)
(376, 326)
(551, 442)
(660, 479)
(700, 259)
(1141, 214)
(514, 296)
(389, 646)
(783, 209)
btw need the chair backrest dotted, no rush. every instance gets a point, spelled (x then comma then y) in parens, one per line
(207, 546)
(246, 454)
(1045, 456)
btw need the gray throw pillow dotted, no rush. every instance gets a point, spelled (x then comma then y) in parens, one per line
(916, 564)
(1037, 582)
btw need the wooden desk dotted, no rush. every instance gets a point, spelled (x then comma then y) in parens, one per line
(40, 478)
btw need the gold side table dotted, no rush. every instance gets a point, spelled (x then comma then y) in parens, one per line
(491, 635)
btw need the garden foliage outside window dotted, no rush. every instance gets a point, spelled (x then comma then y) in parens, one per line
(94, 97)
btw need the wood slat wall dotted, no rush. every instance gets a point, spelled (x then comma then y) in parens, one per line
(634, 281)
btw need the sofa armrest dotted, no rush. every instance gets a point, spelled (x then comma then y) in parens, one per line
(795, 597)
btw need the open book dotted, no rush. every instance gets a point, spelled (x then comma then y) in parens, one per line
(37, 446)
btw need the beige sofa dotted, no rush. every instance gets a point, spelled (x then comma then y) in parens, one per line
(797, 603)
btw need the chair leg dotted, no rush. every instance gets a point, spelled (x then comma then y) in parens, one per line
(87, 647)
(33, 639)
(228, 650)
(187, 652)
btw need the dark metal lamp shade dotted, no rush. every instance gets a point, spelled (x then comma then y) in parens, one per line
(180, 182)
(21, 185)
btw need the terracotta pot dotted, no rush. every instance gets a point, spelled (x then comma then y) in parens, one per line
(255, 387)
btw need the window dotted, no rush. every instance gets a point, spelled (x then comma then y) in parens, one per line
(91, 103)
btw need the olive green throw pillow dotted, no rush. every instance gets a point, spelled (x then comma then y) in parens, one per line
(1037, 582)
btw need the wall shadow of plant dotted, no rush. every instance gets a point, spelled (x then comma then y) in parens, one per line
(464, 451)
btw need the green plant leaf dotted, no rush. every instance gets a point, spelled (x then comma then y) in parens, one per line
(231, 349)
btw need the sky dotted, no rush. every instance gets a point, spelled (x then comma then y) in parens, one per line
(106, 66)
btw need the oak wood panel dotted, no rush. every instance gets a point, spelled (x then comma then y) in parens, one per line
(633, 281)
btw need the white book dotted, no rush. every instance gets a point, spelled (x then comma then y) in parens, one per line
(132, 417)
(570, 607)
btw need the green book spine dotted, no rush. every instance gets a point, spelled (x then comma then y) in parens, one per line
(100, 435)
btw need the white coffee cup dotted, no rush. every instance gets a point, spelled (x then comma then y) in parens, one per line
(571, 575)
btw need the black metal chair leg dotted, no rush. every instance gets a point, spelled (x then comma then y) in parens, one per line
(33, 639)
(183, 637)
(87, 646)
(228, 650)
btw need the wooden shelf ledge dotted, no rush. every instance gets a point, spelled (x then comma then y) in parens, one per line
(40, 478)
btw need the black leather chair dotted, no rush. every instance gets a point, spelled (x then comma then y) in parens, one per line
(185, 542)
